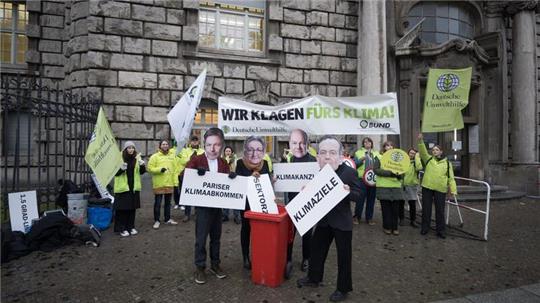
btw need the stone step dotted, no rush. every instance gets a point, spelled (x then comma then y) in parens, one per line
(476, 189)
(495, 196)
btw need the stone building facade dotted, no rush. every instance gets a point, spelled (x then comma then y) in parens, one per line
(139, 56)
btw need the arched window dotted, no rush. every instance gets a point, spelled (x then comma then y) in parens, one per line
(444, 21)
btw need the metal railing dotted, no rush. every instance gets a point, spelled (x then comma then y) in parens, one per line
(45, 134)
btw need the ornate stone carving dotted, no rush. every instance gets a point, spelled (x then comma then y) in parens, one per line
(514, 7)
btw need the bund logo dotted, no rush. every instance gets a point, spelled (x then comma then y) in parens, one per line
(397, 157)
(363, 123)
(447, 82)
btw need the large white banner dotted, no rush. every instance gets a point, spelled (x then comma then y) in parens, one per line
(22, 210)
(261, 196)
(183, 113)
(290, 177)
(215, 190)
(317, 115)
(317, 199)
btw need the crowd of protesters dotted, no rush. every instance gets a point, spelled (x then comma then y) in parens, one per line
(363, 175)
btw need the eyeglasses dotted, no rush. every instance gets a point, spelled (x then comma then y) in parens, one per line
(254, 151)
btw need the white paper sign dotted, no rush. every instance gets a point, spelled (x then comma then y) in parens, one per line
(215, 190)
(317, 199)
(22, 210)
(290, 177)
(261, 195)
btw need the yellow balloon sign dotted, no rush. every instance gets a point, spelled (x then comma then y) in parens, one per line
(396, 161)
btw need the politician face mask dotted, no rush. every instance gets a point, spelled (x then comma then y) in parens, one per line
(212, 147)
(329, 154)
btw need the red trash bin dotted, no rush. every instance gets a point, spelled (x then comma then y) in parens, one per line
(269, 238)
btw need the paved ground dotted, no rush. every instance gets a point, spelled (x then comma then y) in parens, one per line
(157, 266)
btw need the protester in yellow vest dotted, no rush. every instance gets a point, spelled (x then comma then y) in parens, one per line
(438, 180)
(182, 159)
(162, 165)
(127, 188)
(410, 188)
(389, 192)
(363, 158)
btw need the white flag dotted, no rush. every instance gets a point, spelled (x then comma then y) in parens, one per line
(183, 113)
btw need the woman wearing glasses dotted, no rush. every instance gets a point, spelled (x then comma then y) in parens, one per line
(252, 164)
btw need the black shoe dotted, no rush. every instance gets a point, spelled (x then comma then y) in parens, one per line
(225, 219)
(441, 235)
(305, 281)
(216, 270)
(288, 269)
(200, 276)
(305, 265)
(338, 296)
(423, 232)
(413, 224)
(247, 263)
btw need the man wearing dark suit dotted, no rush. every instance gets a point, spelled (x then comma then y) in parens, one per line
(208, 220)
(337, 224)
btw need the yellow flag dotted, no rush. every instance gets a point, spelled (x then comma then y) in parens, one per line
(396, 161)
(103, 155)
(447, 93)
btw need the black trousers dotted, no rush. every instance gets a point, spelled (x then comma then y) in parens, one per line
(208, 222)
(412, 210)
(124, 220)
(166, 207)
(306, 245)
(321, 241)
(390, 214)
(245, 233)
(428, 198)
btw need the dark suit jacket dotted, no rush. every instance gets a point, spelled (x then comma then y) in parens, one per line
(201, 161)
(340, 217)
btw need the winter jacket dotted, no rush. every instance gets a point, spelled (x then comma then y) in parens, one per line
(158, 161)
(361, 164)
(121, 180)
(411, 176)
(438, 173)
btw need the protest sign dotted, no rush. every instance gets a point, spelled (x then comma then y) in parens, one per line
(23, 209)
(317, 199)
(103, 155)
(103, 192)
(261, 195)
(290, 177)
(396, 161)
(447, 93)
(215, 190)
(317, 115)
(182, 115)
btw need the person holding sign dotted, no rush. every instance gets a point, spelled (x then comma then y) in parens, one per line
(364, 158)
(438, 181)
(389, 192)
(252, 164)
(298, 145)
(162, 166)
(410, 187)
(337, 224)
(208, 220)
(127, 188)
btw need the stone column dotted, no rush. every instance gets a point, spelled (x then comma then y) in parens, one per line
(524, 111)
(372, 69)
(372, 72)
